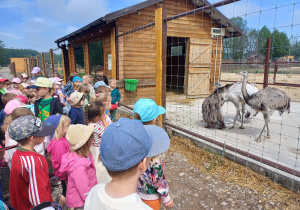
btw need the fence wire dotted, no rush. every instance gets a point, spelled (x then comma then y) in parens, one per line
(196, 60)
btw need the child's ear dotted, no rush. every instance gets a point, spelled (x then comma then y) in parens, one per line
(143, 165)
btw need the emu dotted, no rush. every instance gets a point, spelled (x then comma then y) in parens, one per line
(233, 93)
(266, 101)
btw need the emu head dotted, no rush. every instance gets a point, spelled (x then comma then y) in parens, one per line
(244, 73)
(218, 85)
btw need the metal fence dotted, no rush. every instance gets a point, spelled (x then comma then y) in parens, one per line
(192, 63)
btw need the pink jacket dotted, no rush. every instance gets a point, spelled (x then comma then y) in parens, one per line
(82, 178)
(57, 149)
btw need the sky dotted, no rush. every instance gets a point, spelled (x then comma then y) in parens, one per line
(36, 24)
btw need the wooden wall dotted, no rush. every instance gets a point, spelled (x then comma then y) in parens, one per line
(20, 64)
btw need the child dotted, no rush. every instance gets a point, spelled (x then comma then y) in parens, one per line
(29, 180)
(16, 86)
(76, 85)
(58, 91)
(57, 148)
(25, 77)
(78, 165)
(106, 101)
(23, 88)
(126, 147)
(152, 185)
(2, 91)
(115, 98)
(32, 97)
(46, 105)
(76, 114)
(95, 113)
(69, 87)
(99, 78)
(7, 86)
(100, 72)
(88, 79)
(36, 71)
(85, 89)
(103, 89)
(100, 83)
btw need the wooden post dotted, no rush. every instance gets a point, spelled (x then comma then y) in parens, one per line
(275, 71)
(267, 62)
(63, 65)
(72, 65)
(37, 61)
(44, 64)
(161, 45)
(113, 53)
(86, 56)
(52, 62)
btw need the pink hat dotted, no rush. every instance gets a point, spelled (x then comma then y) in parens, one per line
(12, 105)
(17, 80)
(35, 70)
(58, 79)
(55, 80)
(22, 99)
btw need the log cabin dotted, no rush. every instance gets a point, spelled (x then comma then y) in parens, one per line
(124, 43)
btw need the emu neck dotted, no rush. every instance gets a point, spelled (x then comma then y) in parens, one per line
(244, 91)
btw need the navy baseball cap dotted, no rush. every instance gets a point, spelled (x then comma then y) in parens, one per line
(148, 109)
(54, 119)
(127, 142)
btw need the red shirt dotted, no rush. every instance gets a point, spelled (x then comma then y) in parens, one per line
(29, 180)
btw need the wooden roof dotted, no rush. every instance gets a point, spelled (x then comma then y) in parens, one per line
(216, 15)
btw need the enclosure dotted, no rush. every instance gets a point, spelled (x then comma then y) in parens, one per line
(175, 50)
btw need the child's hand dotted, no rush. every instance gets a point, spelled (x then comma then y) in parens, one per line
(105, 123)
(170, 204)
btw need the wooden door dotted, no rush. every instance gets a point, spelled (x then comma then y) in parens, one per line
(198, 64)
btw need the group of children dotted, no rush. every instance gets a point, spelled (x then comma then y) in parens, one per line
(101, 163)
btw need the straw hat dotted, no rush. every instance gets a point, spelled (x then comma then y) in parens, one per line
(78, 135)
(75, 98)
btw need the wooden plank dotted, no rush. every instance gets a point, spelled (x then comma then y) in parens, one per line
(44, 64)
(52, 62)
(113, 53)
(63, 65)
(202, 79)
(141, 83)
(186, 73)
(86, 56)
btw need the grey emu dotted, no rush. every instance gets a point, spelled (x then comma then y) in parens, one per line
(266, 101)
(233, 93)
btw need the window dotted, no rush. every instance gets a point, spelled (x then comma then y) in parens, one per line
(96, 55)
(176, 51)
(79, 59)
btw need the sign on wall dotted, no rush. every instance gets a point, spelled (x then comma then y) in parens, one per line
(109, 62)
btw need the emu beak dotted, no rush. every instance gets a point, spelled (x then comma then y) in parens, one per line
(241, 73)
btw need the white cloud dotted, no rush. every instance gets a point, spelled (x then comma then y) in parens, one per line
(11, 36)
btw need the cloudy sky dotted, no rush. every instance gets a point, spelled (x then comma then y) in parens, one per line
(36, 24)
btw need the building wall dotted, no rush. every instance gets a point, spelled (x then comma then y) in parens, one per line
(20, 64)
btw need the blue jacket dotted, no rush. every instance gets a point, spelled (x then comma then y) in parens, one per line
(115, 96)
(77, 116)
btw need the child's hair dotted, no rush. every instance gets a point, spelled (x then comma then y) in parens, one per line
(63, 122)
(122, 173)
(57, 74)
(76, 85)
(102, 97)
(7, 97)
(99, 78)
(7, 82)
(92, 110)
(88, 79)
(18, 112)
(102, 89)
(31, 93)
(99, 68)
(85, 150)
(71, 76)
(84, 88)
(111, 80)
(152, 122)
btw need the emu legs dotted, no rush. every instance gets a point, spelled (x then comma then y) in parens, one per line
(267, 120)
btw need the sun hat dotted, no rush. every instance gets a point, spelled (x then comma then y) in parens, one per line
(58, 79)
(75, 98)
(42, 82)
(26, 126)
(127, 142)
(55, 81)
(77, 79)
(16, 80)
(24, 75)
(78, 135)
(35, 70)
(54, 119)
(23, 86)
(100, 83)
(22, 99)
(148, 109)
(12, 105)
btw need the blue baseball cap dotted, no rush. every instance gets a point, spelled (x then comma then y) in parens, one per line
(54, 119)
(148, 109)
(100, 83)
(127, 142)
(77, 79)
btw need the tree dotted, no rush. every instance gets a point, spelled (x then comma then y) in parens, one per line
(280, 44)
(252, 41)
(2, 56)
(263, 34)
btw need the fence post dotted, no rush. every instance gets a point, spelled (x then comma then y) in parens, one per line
(52, 62)
(37, 61)
(275, 71)
(161, 38)
(44, 64)
(267, 62)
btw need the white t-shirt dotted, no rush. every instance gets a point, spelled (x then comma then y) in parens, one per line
(98, 199)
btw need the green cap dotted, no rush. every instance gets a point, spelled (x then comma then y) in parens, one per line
(42, 82)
